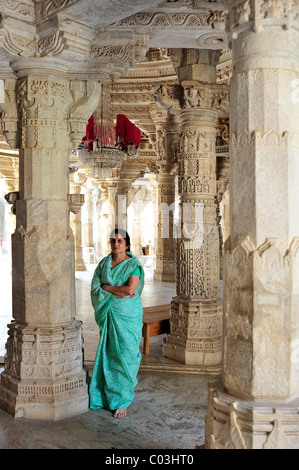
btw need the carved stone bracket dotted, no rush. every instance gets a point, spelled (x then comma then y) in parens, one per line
(251, 15)
(86, 95)
(169, 97)
(75, 201)
(10, 116)
(11, 198)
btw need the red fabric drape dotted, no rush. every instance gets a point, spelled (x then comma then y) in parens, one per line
(127, 131)
(90, 135)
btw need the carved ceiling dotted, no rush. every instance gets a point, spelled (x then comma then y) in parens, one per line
(81, 33)
(123, 41)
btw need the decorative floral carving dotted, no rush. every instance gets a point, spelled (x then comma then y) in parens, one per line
(52, 45)
(50, 7)
(249, 14)
(231, 435)
(117, 54)
(21, 8)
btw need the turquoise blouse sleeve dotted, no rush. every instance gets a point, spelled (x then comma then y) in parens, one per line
(136, 272)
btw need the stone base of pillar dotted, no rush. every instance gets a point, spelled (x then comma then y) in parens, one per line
(163, 276)
(232, 423)
(44, 377)
(195, 334)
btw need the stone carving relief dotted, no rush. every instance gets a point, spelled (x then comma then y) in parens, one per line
(22, 8)
(247, 15)
(270, 137)
(42, 104)
(168, 97)
(198, 94)
(231, 424)
(86, 97)
(38, 360)
(125, 54)
(48, 8)
(257, 275)
(118, 54)
(10, 114)
(276, 438)
(231, 435)
(208, 19)
(18, 45)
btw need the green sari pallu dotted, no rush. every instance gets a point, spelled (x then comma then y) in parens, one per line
(118, 356)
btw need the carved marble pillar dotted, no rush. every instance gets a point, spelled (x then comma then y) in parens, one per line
(196, 312)
(165, 247)
(44, 377)
(88, 222)
(123, 185)
(77, 179)
(256, 405)
(166, 144)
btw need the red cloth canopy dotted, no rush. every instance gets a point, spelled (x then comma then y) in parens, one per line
(90, 136)
(126, 131)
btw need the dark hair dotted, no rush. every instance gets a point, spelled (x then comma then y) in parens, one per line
(124, 235)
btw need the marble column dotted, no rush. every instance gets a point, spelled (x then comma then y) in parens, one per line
(166, 143)
(165, 247)
(44, 376)
(256, 405)
(88, 222)
(196, 312)
(77, 179)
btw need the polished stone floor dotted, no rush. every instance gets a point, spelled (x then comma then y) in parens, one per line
(168, 410)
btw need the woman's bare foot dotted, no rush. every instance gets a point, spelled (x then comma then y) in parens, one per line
(120, 413)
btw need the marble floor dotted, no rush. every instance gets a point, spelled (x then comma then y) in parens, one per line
(170, 401)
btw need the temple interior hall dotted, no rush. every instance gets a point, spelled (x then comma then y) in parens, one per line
(176, 120)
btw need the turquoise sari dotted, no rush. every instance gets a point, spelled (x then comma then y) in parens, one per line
(118, 356)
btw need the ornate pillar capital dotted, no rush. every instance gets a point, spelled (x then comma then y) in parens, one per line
(276, 23)
(200, 95)
(255, 15)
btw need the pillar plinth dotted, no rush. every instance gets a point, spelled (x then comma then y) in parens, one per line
(44, 376)
(256, 404)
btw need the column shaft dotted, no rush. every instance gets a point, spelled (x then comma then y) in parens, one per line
(44, 377)
(165, 247)
(196, 313)
(259, 393)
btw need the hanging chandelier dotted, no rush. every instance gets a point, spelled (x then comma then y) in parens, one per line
(101, 151)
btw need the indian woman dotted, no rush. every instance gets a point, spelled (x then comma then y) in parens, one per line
(116, 287)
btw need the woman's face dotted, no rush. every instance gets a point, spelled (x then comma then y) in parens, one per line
(118, 244)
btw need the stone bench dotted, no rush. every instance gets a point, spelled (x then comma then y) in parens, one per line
(155, 322)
